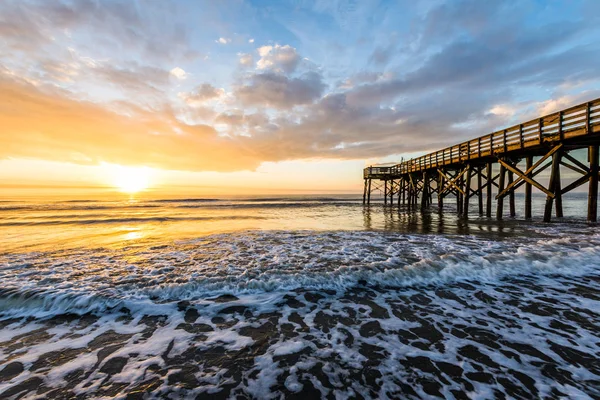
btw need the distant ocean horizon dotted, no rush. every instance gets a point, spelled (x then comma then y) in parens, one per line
(295, 295)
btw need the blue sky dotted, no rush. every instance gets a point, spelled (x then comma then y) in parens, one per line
(221, 87)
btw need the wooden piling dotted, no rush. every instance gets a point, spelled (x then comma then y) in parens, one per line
(558, 195)
(385, 191)
(467, 189)
(511, 196)
(425, 193)
(593, 186)
(552, 186)
(480, 189)
(440, 195)
(459, 197)
(500, 204)
(488, 185)
(528, 164)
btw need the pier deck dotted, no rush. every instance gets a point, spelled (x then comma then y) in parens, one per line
(493, 161)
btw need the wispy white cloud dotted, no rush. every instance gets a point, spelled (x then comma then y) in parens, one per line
(179, 73)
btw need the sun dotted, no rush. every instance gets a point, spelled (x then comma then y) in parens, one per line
(131, 179)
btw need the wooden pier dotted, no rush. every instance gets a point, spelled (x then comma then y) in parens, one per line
(498, 164)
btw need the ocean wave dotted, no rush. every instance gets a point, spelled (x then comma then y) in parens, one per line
(262, 262)
(83, 221)
(269, 205)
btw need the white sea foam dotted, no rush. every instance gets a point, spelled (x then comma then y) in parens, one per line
(355, 312)
(258, 262)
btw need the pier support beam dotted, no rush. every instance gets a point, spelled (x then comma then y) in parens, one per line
(488, 186)
(460, 194)
(528, 164)
(554, 174)
(593, 185)
(425, 193)
(440, 186)
(480, 189)
(500, 205)
(385, 191)
(558, 195)
(511, 196)
(467, 189)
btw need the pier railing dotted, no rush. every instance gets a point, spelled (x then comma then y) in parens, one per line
(580, 120)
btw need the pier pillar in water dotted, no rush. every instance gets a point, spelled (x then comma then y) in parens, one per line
(488, 186)
(480, 189)
(592, 214)
(558, 194)
(459, 197)
(425, 193)
(511, 196)
(554, 173)
(440, 188)
(528, 164)
(467, 189)
(385, 191)
(500, 204)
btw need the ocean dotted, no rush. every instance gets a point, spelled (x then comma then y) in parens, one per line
(295, 297)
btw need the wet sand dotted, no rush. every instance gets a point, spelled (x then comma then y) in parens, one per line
(521, 337)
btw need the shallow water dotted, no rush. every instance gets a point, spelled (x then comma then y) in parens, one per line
(297, 296)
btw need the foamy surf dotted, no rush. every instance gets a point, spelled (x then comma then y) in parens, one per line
(265, 314)
(256, 262)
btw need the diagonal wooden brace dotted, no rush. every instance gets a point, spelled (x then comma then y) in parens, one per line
(452, 182)
(524, 176)
(583, 179)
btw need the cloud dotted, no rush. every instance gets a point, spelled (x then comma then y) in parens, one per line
(245, 59)
(178, 73)
(250, 40)
(461, 70)
(279, 91)
(278, 58)
(117, 25)
(83, 132)
(202, 94)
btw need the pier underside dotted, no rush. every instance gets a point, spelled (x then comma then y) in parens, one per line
(493, 167)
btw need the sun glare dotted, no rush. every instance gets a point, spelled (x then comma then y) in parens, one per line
(131, 179)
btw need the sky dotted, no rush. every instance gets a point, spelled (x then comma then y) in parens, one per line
(258, 97)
